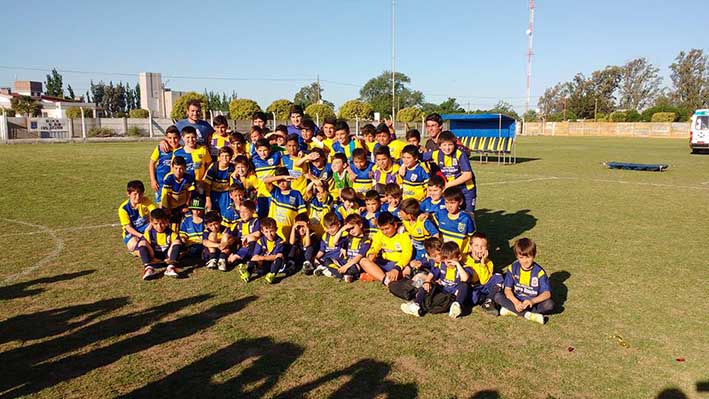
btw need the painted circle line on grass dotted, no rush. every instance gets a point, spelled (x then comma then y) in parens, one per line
(58, 248)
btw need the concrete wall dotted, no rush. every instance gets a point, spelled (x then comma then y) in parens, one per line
(608, 129)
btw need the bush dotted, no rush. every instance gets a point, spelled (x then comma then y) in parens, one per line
(138, 113)
(356, 108)
(409, 114)
(179, 109)
(101, 132)
(681, 114)
(119, 115)
(281, 108)
(134, 131)
(320, 111)
(601, 117)
(242, 109)
(618, 116)
(663, 117)
(10, 113)
(633, 116)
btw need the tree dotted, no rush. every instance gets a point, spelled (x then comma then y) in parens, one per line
(639, 84)
(690, 79)
(179, 109)
(450, 106)
(97, 92)
(319, 111)
(137, 95)
(71, 92)
(604, 85)
(410, 114)
(25, 105)
(554, 100)
(54, 84)
(138, 113)
(281, 108)
(307, 95)
(377, 93)
(242, 109)
(530, 116)
(355, 109)
(73, 113)
(504, 108)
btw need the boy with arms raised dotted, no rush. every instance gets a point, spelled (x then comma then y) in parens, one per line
(286, 203)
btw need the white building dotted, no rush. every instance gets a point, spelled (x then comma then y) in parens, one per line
(155, 97)
(52, 107)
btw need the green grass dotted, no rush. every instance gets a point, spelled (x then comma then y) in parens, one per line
(627, 249)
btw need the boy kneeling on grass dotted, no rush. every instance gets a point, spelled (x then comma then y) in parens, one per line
(452, 278)
(527, 291)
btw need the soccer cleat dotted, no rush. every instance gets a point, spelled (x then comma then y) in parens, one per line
(328, 273)
(212, 264)
(149, 272)
(348, 278)
(308, 268)
(454, 311)
(269, 278)
(489, 307)
(172, 271)
(506, 312)
(535, 317)
(221, 264)
(244, 272)
(320, 270)
(411, 308)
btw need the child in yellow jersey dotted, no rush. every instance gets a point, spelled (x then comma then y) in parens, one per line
(418, 225)
(414, 174)
(372, 209)
(392, 198)
(345, 143)
(318, 205)
(328, 132)
(177, 190)
(133, 214)
(390, 252)
(196, 156)
(220, 138)
(384, 138)
(159, 243)
(285, 203)
(214, 241)
(385, 171)
(245, 175)
(360, 172)
(368, 133)
(296, 162)
(486, 283)
(307, 139)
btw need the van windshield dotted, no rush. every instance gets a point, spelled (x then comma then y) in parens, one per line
(702, 123)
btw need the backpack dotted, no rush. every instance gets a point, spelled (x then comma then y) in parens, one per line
(437, 300)
(403, 289)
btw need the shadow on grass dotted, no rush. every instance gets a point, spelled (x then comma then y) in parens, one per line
(20, 290)
(671, 393)
(501, 228)
(703, 386)
(559, 291)
(486, 394)
(29, 369)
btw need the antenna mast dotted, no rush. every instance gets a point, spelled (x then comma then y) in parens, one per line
(530, 53)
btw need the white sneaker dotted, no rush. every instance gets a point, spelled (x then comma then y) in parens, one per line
(454, 311)
(221, 264)
(506, 312)
(320, 270)
(148, 272)
(535, 317)
(171, 271)
(411, 308)
(212, 264)
(327, 273)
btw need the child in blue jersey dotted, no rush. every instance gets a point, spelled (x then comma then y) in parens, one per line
(345, 144)
(434, 201)
(214, 241)
(192, 229)
(372, 210)
(255, 134)
(236, 197)
(159, 243)
(196, 156)
(485, 283)
(177, 190)
(268, 255)
(454, 224)
(527, 291)
(220, 137)
(453, 162)
(265, 162)
(360, 172)
(330, 246)
(159, 163)
(418, 225)
(286, 203)
(320, 171)
(355, 247)
(302, 245)
(134, 215)
(241, 235)
(414, 174)
(392, 198)
(348, 204)
(451, 276)
(218, 180)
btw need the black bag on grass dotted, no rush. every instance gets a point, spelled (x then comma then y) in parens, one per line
(437, 300)
(403, 289)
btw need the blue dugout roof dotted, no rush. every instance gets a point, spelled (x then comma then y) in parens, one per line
(481, 125)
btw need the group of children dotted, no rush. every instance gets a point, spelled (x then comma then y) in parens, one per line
(319, 199)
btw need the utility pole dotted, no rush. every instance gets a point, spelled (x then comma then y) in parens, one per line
(393, 59)
(530, 53)
(318, 96)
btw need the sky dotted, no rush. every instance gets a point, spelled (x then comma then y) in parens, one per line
(475, 51)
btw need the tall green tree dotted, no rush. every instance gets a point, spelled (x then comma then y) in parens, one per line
(690, 79)
(137, 95)
(25, 105)
(70, 91)
(307, 95)
(53, 84)
(450, 106)
(353, 109)
(377, 93)
(505, 108)
(243, 109)
(640, 84)
(281, 108)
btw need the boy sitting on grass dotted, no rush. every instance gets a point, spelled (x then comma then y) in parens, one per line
(330, 245)
(485, 283)
(134, 215)
(527, 290)
(159, 243)
(390, 252)
(354, 250)
(302, 245)
(451, 276)
(241, 235)
(268, 254)
(217, 249)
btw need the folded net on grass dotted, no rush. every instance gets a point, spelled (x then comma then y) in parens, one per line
(647, 167)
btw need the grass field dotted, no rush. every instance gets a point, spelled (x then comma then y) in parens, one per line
(627, 253)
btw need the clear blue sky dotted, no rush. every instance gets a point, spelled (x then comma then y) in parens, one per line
(472, 50)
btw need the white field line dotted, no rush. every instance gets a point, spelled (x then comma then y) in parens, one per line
(58, 248)
(703, 186)
(29, 233)
(518, 181)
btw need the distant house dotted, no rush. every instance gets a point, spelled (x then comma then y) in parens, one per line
(52, 107)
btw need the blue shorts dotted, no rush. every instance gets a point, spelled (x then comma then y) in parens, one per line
(386, 265)
(128, 237)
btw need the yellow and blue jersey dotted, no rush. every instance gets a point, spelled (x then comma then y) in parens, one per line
(430, 206)
(394, 211)
(370, 146)
(384, 177)
(452, 166)
(219, 179)
(448, 276)
(481, 272)
(369, 223)
(216, 143)
(395, 249)
(419, 232)
(284, 208)
(316, 212)
(175, 192)
(162, 162)
(331, 247)
(363, 181)
(264, 246)
(298, 172)
(160, 242)
(219, 235)
(242, 228)
(526, 284)
(266, 167)
(457, 228)
(190, 231)
(415, 181)
(356, 246)
(327, 143)
(343, 212)
(197, 161)
(138, 217)
(346, 149)
(395, 147)
(230, 215)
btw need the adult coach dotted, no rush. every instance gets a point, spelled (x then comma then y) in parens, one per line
(434, 126)
(194, 119)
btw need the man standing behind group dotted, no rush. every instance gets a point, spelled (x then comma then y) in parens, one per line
(194, 119)
(434, 126)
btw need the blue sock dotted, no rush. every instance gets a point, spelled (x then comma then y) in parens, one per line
(175, 252)
(144, 255)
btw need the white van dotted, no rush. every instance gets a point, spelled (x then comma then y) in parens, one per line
(699, 130)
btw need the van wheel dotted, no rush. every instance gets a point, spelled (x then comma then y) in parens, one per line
(694, 150)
